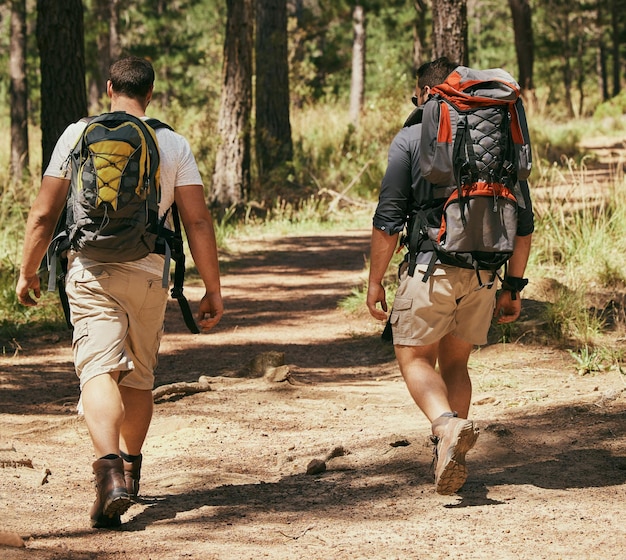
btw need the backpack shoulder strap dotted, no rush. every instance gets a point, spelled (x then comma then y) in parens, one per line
(156, 124)
(415, 117)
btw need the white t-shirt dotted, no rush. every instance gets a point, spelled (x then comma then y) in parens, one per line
(178, 165)
(178, 169)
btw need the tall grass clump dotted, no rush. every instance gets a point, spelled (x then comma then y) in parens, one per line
(331, 153)
(17, 320)
(583, 236)
(579, 241)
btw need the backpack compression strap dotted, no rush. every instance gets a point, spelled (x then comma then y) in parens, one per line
(178, 255)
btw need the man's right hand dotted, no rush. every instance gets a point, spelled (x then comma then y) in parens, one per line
(375, 295)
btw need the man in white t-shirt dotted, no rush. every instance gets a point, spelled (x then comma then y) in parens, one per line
(117, 309)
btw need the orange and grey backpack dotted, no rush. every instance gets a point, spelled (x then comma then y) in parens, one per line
(474, 150)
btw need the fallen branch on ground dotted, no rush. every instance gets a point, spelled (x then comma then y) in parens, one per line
(296, 537)
(8, 463)
(182, 388)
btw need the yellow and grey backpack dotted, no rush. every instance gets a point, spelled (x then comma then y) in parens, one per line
(112, 212)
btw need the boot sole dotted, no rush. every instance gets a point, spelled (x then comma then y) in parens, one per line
(117, 505)
(454, 473)
(110, 518)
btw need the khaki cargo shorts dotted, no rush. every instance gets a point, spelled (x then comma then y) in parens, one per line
(450, 301)
(117, 311)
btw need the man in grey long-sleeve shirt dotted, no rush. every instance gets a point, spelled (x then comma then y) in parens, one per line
(438, 321)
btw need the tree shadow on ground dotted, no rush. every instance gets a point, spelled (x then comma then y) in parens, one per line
(511, 455)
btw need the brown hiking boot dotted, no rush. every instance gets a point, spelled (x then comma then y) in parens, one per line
(132, 474)
(112, 499)
(453, 438)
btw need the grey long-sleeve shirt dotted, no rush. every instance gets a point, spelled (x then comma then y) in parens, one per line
(403, 186)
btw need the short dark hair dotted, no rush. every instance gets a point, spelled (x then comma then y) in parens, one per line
(132, 76)
(433, 73)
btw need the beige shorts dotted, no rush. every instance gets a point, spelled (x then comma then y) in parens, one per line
(450, 301)
(117, 311)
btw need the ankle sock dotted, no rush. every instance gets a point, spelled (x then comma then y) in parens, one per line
(110, 456)
(129, 458)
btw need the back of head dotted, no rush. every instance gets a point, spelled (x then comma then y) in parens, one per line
(132, 77)
(433, 73)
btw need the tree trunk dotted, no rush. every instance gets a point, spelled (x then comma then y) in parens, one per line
(60, 38)
(19, 91)
(581, 47)
(603, 80)
(106, 14)
(231, 178)
(615, 27)
(524, 44)
(419, 34)
(357, 85)
(450, 30)
(115, 46)
(567, 67)
(273, 129)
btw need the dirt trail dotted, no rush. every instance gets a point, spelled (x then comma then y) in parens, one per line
(225, 470)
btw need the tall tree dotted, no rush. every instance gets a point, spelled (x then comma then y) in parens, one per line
(231, 178)
(108, 48)
(617, 7)
(19, 91)
(357, 84)
(60, 38)
(566, 54)
(419, 33)
(524, 44)
(274, 145)
(601, 56)
(450, 30)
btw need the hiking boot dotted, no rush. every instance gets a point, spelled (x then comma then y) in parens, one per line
(132, 474)
(112, 499)
(453, 438)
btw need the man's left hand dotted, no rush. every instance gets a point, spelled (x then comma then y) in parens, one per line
(507, 309)
(211, 311)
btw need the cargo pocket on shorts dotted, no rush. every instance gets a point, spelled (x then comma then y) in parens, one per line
(156, 296)
(91, 275)
(400, 318)
(80, 331)
(86, 288)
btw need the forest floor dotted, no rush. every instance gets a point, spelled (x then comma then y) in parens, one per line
(225, 470)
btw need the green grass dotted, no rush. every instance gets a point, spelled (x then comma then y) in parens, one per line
(18, 322)
(356, 299)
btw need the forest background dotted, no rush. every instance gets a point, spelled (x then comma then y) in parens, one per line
(310, 94)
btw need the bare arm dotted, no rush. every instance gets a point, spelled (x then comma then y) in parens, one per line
(508, 309)
(42, 219)
(383, 246)
(198, 224)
